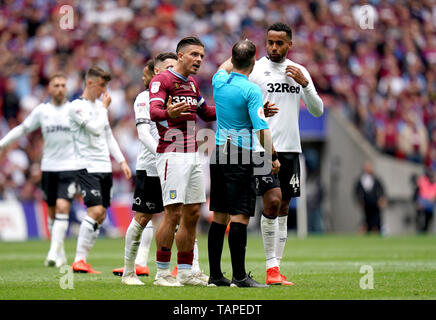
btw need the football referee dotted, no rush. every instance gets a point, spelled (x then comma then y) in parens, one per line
(240, 112)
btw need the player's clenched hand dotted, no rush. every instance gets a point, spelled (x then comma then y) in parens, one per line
(106, 100)
(126, 170)
(269, 110)
(296, 74)
(177, 109)
(275, 166)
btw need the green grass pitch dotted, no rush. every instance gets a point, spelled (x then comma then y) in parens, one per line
(322, 267)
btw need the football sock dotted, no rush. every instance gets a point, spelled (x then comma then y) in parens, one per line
(237, 243)
(144, 246)
(281, 237)
(215, 241)
(88, 233)
(163, 258)
(58, 232)
(195, 263)
(133, 236)
(184, 262)
(269, 228)
(49, 225)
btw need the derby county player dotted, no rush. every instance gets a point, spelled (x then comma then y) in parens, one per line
(284, 83)
(58, 163)
(93, 144)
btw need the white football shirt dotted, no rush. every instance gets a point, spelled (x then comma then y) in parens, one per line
(58, 153)
(145, 160)
(92, 136)
(286, 93)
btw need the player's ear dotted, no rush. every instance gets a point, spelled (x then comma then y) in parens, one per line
(179, 55)
(290, 43)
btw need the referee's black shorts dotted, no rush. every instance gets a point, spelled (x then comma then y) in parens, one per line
(232, 188)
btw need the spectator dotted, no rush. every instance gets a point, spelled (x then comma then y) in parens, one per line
(425, 199)
(370, 194)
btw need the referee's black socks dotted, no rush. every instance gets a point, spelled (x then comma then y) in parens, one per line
(215, 241)
(237, 244)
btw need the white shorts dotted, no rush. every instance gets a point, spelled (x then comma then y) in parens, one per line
(181, 177)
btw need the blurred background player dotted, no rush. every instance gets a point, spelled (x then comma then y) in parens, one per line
(178, 162)
(58, 163)
(239, 110)
(284, 83)
(93, 144)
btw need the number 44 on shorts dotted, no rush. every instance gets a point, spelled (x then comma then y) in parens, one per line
(295, 182)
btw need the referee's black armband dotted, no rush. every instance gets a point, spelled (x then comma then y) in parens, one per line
(143, 120)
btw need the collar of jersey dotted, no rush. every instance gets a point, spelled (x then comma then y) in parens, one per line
(177, 74)
(239, 74)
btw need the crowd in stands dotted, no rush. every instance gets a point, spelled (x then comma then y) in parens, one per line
(383, 78)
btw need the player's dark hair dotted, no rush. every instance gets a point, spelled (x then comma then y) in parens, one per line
(150, 66)
(242, 54)
(98, 72)
(165, 55)
(279, 26)
(188, 41)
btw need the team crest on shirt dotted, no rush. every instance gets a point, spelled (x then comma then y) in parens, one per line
(176, 85)
(155, 87)
(173, 194)
(193, 87)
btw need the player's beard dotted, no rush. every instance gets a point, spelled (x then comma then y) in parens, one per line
(58, 99)
(275, 57)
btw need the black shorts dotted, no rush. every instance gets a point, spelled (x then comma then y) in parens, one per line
(232, 188)
(288, 177)
(147, 197)
(58, 185)
(96, 188)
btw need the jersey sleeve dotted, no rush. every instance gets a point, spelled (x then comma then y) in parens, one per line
(255, 109)
(113, 146)
(310, 97)
(219, 78)
(206, 112)
(142, 109)
(33, 122)
(158, 98)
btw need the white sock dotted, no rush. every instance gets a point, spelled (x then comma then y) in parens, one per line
(144, 246)
(88, 233)
(195, 263)
(49, 225)
(133, 236)
(59, 230)
(281, 237)
(269, 229)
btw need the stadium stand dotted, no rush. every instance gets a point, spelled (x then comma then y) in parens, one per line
(383, 80)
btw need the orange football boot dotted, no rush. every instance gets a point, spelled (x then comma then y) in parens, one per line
(83, 267)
